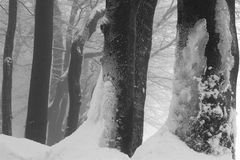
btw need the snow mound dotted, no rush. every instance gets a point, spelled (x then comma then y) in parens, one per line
(12, 148)
(84, 144)
(166, 146)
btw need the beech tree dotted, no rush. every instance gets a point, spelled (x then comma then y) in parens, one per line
(36, 123)
(55, 132)
(144, 24)
(75, 67)
(203, 107)
(118, 73)
(7, 69)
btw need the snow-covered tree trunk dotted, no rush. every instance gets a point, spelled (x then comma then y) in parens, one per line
(7, 70)
(144, 25)
(203, 106)
(119, 28)
(36, 123)
(75, 67)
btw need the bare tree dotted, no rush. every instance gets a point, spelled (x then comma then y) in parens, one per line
(75, 67)
(36, 123)
(203, 106)
(118, 69)
(144, 24)
(7, 69)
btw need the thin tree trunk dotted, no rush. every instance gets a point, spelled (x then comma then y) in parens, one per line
(119, 29)
(144, 26)
(61, 99)
(75, 68)
(70, 29)
(7, 70)
(204, 98)
(36, 123)
(55, 132)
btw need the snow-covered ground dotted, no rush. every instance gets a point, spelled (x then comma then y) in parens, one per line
(83, 144)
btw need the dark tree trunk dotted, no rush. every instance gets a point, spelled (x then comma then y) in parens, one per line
(119, 30)
(7, 70)
(143, 48)
(55, 119)
(75, 68)
(36, 124)
(206, 67)
(74, 73)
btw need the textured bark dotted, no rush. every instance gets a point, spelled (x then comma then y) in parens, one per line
(55, 119)
(7, 70)
(143, 48)
(119, 28)
(205, 117)
(36, 123)
(75, 68)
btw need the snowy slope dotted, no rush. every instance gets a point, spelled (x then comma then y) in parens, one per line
(82, 146)
(166, 146)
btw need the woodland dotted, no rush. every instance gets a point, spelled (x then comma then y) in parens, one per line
(119, 79)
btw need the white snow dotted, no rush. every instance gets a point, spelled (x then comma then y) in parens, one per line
(12, 148)
(190, 64)
(82, 145)
(222, 18)
(166, 146)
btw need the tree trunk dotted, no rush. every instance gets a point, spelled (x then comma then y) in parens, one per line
(143, 48)
(74, 73)
(7, 70)
(119, 28)
(55, 133)
(75, 68)
(70, 28)
(36, 124)
(204, 97)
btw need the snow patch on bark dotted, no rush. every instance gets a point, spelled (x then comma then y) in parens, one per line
(190, 63)
(222, 18)
(102, 110)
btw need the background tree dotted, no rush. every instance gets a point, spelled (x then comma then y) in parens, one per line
(204, 101)
(36, 123)
(75, 67)
(54, 128)
(7, 69)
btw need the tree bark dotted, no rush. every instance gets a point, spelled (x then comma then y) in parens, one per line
(70, 28)
(144, 24)
(119, 29)
(75, 68)
(204, 95)
(7, 70)
(55, 119)
(36, 123)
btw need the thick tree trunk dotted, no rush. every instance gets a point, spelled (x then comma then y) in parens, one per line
(36, 124)
(75, 68)
(143, 48)
(204, 98)
(55, 131)
(7, 70)
(119, 30)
